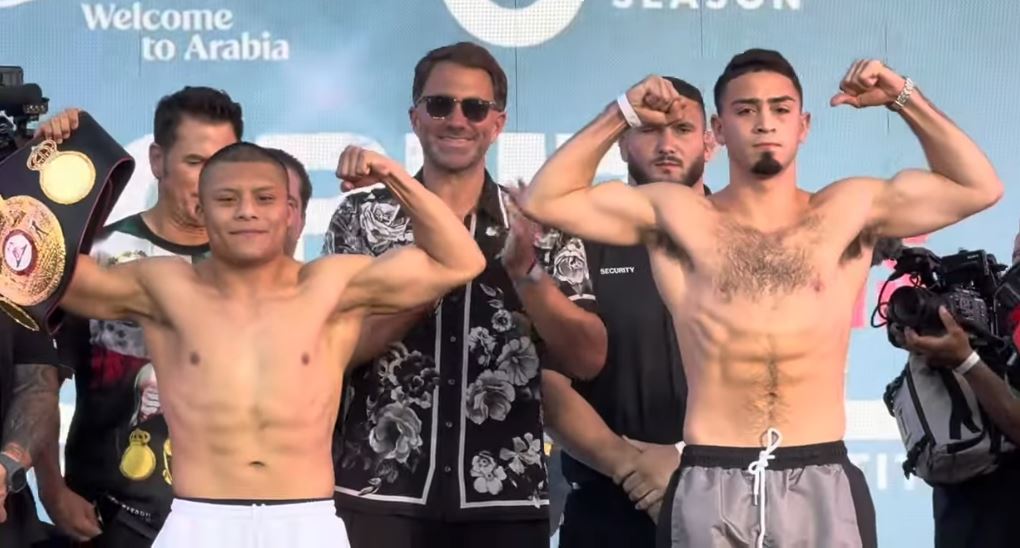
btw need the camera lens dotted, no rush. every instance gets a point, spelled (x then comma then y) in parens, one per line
(906, 306)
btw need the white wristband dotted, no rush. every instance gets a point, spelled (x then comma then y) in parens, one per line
(680, 447)
(968, 364)
(628, 111)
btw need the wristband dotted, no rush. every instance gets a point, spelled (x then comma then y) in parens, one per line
(968, 363)
(628, 111)
(680, 447)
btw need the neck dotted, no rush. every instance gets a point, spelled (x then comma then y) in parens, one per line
(173, 226)
(460, 190)
(764, 201)
(249, 280)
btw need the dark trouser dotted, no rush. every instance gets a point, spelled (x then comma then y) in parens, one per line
(388, 531)
(979, 512)
(810, 496)
(599, 515)
(122, 528)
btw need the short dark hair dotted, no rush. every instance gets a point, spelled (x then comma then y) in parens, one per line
(290, 162)
(203, 103)
(241, 152)
(755, 60)
(686, 89)
(465, 54)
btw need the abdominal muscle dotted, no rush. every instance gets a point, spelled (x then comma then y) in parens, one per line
(773, 363)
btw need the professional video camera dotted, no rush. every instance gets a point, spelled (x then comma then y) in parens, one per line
(948, 436)
(20, 104)
(965, 283)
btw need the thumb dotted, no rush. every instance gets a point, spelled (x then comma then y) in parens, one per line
(948, 320)
(844, 99)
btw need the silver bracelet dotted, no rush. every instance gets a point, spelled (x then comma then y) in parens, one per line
(903, 97)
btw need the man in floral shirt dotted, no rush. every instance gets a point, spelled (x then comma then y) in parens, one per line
(440, 439)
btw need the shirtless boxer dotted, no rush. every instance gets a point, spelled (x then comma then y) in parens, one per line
(251, 347)
(761, 278)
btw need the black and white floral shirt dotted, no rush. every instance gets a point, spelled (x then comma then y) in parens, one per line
(448, 423)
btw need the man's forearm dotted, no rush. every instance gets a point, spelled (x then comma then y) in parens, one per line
(34, 414)
(573, 166)
(996, 399)
(950, 152)
(574, 424)
(577, 338)
(47, 462)
(437, 230)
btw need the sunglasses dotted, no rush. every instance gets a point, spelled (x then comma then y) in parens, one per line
(441, 106)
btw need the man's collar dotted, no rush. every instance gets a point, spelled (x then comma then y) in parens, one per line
(489, 202)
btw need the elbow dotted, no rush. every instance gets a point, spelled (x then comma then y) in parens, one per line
(989, 196)
(532, 205)
(473, 265)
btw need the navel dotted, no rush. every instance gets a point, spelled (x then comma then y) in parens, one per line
(305, 359)
(194, 359)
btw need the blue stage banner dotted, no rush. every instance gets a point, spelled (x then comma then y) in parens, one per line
(316, 75)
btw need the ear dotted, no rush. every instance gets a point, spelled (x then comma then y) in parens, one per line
(156, 157)
(711, 146)
(805, 126)
(717, 130)
(412, 116)
(498, 124)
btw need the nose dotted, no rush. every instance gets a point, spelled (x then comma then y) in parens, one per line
(246, 209)
(667, 143)
(764, 123)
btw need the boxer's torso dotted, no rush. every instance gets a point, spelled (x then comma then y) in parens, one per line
(763, 316)
(250, 384)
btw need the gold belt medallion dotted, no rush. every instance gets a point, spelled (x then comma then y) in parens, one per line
(66, 177)
(32, 243)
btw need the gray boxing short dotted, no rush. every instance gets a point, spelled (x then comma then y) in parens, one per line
(807, 496)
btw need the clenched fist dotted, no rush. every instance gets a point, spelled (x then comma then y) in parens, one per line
(360, 167)
(657, 102)
(869, 83)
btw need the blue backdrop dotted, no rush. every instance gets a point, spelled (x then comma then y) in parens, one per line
(315, 75)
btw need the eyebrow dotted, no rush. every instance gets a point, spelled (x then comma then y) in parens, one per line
(758, 102)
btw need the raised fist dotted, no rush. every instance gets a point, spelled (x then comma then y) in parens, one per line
(360, 167)
(868, 83)
(657, 102)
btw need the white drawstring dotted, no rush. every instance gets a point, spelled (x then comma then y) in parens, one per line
(757, 469)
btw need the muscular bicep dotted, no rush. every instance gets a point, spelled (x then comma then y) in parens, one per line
(112, 293)
(613, 213)
(917, 202)
(398, 280)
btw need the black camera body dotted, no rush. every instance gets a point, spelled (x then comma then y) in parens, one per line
(20, 104)
(965, 283)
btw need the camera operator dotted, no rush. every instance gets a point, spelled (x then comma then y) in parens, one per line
(981, 510)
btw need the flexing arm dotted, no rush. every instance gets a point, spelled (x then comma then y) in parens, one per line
(114, 293)
(961, 180)
(444, 254)
(562, 196)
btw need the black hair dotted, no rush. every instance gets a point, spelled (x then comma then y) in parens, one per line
(465, 54)
(203, 103)
(290, 162)
(754, 60)
(242, 152)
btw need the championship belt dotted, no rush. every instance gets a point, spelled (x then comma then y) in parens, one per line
(53, 198)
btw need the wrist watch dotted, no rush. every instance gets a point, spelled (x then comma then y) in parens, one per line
(17, 479)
